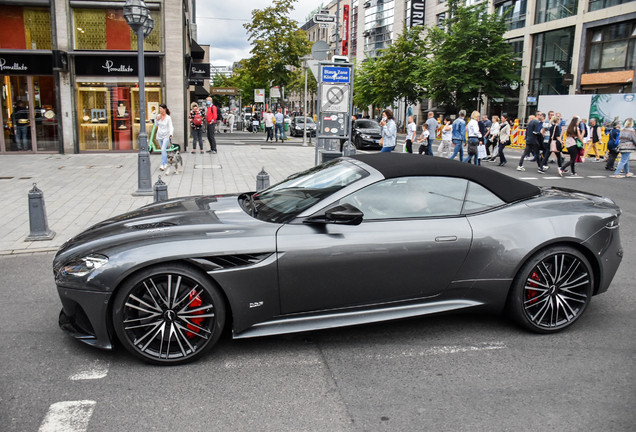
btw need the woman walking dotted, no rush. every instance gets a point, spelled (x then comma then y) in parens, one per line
(612, 145)
(626, 145)
(571, 136)
(472, 129)
(196, 127)
(164, 133)
(493, 138)
(504, 138)
(555, 146)
(447, 138)
(389, 131)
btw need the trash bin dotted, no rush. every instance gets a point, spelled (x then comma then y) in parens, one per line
(286, 127)
(327, 155)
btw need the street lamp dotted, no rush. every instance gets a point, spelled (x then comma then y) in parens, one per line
(138, 18)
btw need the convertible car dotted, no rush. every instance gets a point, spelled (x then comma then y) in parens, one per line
(356, 240)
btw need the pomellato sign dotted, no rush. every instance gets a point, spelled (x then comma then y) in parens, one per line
(110, 67)
(199, 71)
(105, 65)
(14, 67)
(26, 64)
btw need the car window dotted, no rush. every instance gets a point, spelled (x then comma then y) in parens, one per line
(478, 198)
(410, 197)
(367, 124)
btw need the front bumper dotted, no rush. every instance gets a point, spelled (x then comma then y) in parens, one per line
(84, 316)
(373, 142)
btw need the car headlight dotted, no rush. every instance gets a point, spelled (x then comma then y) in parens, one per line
(85, 265)
(365, 136)
(298, 127)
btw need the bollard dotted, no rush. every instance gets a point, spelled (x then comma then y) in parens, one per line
(161, 190)
(262, 180)
(37, 217)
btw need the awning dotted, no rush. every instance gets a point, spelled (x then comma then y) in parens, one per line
(196, 50)
(200, 91)
(621, 77)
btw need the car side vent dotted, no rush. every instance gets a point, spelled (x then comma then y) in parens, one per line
(82, 321)
(232, 261)
(153, 225)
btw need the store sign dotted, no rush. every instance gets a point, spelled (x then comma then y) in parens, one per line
(417, 13)
(200, 70)
(345, 30)
(104, 65)
(26, 64)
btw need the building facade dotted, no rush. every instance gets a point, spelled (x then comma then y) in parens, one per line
(69, 74)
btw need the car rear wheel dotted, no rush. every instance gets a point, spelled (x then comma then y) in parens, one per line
(169, 314)
(552, 290)
(358, 142)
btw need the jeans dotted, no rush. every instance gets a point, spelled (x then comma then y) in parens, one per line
(165, 142)
(387, 149)
(459, 148)
(502, 157)
(22, 137)
(624, 163)
(211, 139)
(430, 145)
(279, 130)
(197, 135)
(270, 133)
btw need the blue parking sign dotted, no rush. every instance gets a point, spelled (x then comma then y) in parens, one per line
(334, 74)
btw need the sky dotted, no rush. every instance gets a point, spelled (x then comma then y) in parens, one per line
(227, 37)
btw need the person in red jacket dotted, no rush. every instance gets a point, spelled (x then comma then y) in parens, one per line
(212, 116)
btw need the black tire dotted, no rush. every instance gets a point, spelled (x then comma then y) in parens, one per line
(156, 314)
(358, 142)
(552, 290)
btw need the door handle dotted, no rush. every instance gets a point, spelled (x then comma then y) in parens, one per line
(446, 239)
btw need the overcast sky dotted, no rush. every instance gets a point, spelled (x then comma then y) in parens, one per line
(227, 37)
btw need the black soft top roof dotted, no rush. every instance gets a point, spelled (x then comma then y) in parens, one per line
(392, 165)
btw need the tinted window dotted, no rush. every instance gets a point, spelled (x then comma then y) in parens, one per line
(410, 197)
(479, 198)
(367, 124)
(302, 120)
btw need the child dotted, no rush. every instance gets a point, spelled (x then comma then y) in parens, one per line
(410, 135)
(255, 125)
(424, 138)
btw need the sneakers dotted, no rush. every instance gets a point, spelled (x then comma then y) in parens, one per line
(564, 171)
(574, 175)
(520, 168)
(629, 174)
(560, 172)
(540, 171)
(193, 151)
(161, 167)
(596, 160)
(617, 176)
(545, 167)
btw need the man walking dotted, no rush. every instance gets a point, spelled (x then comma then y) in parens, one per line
(596, 135)
(459, 135)
(534, 136)
(212, 115)
(485, 133)
(545, 144)
(280, 119)
(432, 130)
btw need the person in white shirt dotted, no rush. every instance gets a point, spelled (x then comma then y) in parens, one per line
(494, 138)
(472, 130)
(424, 138)
(447, 138)
(411, 131)
(269, 125)
(230, 121)
(165, 129)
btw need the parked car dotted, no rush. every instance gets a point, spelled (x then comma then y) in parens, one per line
(362, 239)
(297, 126)
(366, 134)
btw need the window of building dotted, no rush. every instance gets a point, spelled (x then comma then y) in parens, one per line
(353, 49)
(106, 29)
(440, 20)
(551, 59)
(514, 12)
(378, 26)
(602, 4)
(25, 28)
(550, 10)
(612, 48)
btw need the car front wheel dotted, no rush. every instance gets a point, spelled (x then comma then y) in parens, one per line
(168, 314)
(552, 290)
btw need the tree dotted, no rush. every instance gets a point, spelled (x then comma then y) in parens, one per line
(468, 60)
(277, 43)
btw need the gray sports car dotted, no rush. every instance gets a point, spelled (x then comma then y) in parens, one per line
(355, 240)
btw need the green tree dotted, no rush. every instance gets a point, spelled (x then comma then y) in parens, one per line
(469, 59)
(277, 43)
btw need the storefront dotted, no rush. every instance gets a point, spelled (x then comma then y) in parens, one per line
(107, 95)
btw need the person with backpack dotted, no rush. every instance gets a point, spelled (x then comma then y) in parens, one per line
(212, 115)
(612, 145)
(196, 127)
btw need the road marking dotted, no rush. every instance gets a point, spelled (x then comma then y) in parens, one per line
(529, 178)
(68, 416)
(574, 177)
(551, 178)
(438, 350)
(596, 176)
(96, 370)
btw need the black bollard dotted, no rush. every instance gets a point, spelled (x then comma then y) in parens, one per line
(161, 190)
(262, 180)
(37, 217)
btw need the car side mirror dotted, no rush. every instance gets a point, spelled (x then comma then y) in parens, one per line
(344, 214)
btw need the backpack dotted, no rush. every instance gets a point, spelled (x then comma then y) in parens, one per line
(197, 120)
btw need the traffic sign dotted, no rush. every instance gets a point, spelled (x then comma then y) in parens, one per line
(325, 25)
(335, 74)
(335, 98)
(320, 50)
(320, 18)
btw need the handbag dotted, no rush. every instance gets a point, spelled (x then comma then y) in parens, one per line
(579, 143)
(473, 145)
(481, 151)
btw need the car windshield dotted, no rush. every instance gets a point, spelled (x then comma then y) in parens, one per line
(367, 124)
(284, 201)
(302, 120)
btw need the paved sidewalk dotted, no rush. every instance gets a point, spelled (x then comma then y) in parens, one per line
(82, 190)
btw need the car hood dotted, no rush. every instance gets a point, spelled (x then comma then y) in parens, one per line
(370, 131)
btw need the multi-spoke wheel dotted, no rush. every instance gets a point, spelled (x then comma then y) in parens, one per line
(168, 314)
(552, 290)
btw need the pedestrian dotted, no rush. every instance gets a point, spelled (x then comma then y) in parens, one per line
(256, 124)
(432, 131)
(230, 121)
(474, 138)
(424, 138)
(493, 138)
(626, 145)
(555, 145)
(545, 144)
(459, 135)
(447, 138)
(196, 127)
(534, 136)
(612, 145)
(165, 129)
(573, 143)
(21, 124)
(212, 115)
(484, 128)
(280, 121)
(268, 117)
(585, 132)
(389, 131)
(595, 139)
(411, 131)
(504, 138)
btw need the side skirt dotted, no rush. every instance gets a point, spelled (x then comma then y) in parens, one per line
(333, 320)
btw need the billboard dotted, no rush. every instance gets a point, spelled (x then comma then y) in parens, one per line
(259, 95)
(607, 108)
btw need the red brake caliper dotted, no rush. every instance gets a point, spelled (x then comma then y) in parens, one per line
(532, 294)
(195, 302)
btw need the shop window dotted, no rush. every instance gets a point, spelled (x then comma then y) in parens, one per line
(551, 60)
(25, 28)
(602, 4)
(550, 10)
(612, 48)
(106, 29)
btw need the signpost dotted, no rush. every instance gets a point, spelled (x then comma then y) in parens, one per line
(322, 18)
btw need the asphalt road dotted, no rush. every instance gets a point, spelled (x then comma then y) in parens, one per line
(442, 373)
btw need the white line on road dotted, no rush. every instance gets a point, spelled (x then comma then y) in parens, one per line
(68, 416)
(551, 178)
(596, 176)
(437, 350)
(96, 370)
(529, 178)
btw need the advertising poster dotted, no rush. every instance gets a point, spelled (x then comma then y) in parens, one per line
(607, 108)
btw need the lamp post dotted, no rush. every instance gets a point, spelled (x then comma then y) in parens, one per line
(138, 18)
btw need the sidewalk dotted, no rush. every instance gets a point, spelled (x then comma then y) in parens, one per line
(82, 190)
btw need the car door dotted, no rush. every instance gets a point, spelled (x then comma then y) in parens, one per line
(410, 245)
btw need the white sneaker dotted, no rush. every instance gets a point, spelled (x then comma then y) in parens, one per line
(520, 168)
(545, 167)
